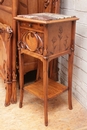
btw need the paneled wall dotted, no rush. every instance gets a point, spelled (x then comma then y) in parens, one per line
(79, 9)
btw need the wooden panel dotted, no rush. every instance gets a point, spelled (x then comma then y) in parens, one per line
(6, 17)
(7, 3)
(60, 38)
(28, 6)
(6, 12)
(22, 7)
(32, 6)
(23, 1)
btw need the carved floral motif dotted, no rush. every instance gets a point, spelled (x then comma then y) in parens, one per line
(60, 31)
(54, 39)
(46, 3)
(66, 42)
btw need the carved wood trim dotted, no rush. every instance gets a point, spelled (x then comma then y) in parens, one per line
(46, 3)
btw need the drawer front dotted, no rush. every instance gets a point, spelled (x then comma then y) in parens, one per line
(35, 26)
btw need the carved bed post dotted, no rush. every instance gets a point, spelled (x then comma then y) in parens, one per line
(5, 60)
(14, 48)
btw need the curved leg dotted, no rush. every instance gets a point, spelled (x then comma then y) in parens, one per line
(70, 69)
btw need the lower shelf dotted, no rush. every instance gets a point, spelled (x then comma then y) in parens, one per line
(54, 89)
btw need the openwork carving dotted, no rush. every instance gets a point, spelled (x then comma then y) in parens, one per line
(1, 1)
(46, 3)
(31, 41)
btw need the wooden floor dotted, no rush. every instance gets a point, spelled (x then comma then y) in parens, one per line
(30, 117)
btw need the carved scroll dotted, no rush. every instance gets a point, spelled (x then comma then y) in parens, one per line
(31, 41)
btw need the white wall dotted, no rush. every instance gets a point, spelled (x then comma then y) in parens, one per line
(79, 9)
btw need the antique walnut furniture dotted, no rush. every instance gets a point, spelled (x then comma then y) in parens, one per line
(9, 64)
(38, 6)
(46, 36)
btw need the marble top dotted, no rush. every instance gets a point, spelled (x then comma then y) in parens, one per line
(45, 16)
